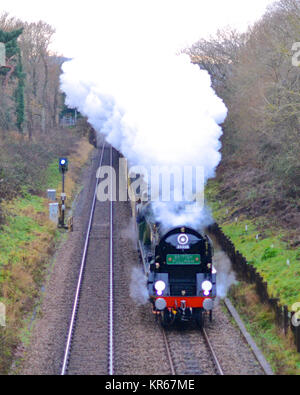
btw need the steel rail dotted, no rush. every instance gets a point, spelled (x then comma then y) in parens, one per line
(165, 339)
(216, 362)
(168, 350)
(111, 285)
(169, 355)
(79, 283)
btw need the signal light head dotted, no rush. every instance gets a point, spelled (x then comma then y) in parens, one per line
(63, 165)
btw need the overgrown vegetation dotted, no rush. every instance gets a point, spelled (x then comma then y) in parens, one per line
(30, 144)
(269, 249)
(23, 162)
(27, 240)
(255, 196)
(254, 74)
(278, 349)
(257, 183)
(273, 254)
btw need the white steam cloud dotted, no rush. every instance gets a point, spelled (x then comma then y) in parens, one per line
(152, 105)
(225, 274)
(138, 287)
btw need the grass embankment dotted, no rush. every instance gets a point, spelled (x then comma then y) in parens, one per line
(268, 249)
(27, 241)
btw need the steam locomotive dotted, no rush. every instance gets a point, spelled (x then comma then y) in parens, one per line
(181, 279)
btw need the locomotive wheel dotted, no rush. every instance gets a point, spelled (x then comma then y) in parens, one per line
(199, 318)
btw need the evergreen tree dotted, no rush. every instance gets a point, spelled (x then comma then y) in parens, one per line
(19, 95)
(14, 68)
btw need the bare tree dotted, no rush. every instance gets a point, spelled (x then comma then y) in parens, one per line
(254, 74)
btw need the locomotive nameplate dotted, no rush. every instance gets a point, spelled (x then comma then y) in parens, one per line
(183, 259)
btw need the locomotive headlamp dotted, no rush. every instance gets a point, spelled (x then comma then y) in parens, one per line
(206, 286)
(160, 286)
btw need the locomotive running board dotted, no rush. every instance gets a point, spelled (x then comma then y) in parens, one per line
(143, 257)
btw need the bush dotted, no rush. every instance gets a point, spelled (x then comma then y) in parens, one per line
(23, 163)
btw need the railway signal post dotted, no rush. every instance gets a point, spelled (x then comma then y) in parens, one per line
(63, 168)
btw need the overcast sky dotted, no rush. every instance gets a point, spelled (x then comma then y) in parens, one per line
(93, 23)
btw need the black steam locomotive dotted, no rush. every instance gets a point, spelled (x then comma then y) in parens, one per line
(180, 274)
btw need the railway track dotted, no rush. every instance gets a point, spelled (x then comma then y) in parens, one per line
(91, 344)
(183, 363)
(193, 366)
(111, 329)
(213, 353)
(83, 355)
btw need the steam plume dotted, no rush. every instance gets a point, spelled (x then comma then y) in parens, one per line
(154, 106)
